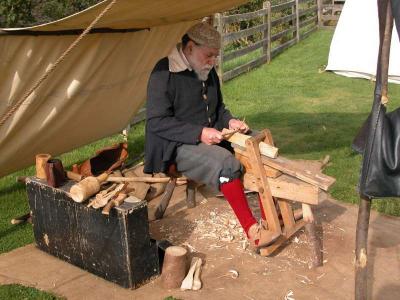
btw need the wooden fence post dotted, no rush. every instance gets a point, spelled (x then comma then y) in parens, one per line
(267, 32)
(220, 26)
(319, 7)
(297, 21)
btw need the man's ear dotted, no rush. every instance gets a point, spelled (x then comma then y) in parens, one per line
(189, 46)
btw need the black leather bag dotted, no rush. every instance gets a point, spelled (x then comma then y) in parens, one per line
(379, 138)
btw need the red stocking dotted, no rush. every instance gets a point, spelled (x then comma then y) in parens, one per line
(234, 193)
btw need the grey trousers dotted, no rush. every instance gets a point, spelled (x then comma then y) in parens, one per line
(208, 164)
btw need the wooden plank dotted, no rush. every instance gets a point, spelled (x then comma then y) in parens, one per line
(282, 47)
(244, 16)
(282, 6)
(281, 240)
(287, 187)
(292, 168)
(243, 51)
(309, 21)
(244, 68)
(297, 22)
(230, 37)
(267, 33)
(264, 191)
(241, 140)
(282, 33)
(330, 18)
(287, 214)
(220, 29)
(307, 33)
(334, 7)
(284, 19)
(307, 11)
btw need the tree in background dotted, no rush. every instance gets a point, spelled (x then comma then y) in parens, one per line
(21, 13)
(15, 13)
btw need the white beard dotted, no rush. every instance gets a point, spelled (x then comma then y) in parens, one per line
(203, 73)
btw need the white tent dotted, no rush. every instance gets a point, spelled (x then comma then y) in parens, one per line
(355, 44)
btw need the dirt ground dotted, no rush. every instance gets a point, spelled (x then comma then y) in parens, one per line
(211, 232)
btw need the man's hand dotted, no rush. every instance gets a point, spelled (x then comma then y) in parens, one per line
(210, 136)
(235, 124)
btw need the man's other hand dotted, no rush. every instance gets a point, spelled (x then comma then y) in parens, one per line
(235, 124)
(210, 136)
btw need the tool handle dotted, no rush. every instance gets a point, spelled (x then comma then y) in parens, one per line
(114, 202)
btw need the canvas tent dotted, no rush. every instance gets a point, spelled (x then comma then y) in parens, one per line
(355, 44)
(99, 87)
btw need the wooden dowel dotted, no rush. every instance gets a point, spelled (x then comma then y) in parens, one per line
(144, 179)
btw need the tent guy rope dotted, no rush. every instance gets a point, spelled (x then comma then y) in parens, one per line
(14, 107)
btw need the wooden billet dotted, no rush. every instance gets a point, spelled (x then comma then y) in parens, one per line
(240, 139)
(291, 168)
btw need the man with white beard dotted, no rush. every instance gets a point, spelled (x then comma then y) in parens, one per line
(185, 116)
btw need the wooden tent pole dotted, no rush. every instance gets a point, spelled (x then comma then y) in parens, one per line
(361, 259)
(361, 248)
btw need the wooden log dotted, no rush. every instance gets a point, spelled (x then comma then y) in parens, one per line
(174, 267)
(240, 139)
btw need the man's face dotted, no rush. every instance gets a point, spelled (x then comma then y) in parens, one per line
(202, 59)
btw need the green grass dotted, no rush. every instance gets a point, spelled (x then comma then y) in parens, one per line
(310, 113)
(19, 292)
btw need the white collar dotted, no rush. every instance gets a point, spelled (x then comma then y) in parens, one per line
(177, 60)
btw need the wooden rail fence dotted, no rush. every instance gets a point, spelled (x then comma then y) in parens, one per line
(329, 12)
(282, 26)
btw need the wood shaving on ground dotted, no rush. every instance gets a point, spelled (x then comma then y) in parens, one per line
(289, 295)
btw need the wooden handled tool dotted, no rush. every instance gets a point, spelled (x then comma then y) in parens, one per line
(87, 187)
(114, 202)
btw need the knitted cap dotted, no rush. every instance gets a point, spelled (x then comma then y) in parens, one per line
(205, 35)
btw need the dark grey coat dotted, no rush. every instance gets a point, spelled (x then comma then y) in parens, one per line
(176, 113)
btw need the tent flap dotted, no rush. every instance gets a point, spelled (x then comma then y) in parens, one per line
(100, 86)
